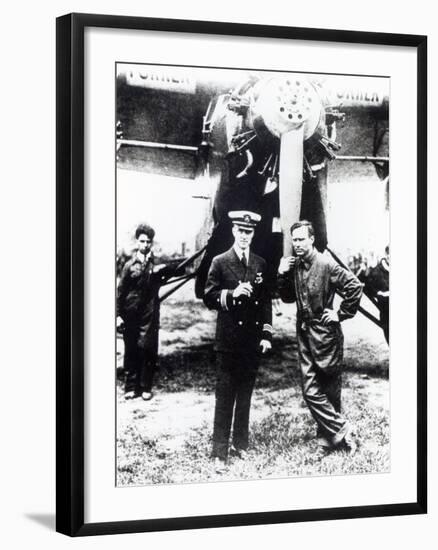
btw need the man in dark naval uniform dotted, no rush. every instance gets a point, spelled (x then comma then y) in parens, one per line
(236, 287)
(138, 307)
(311, 279)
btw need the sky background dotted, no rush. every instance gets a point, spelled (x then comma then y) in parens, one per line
(164, 202)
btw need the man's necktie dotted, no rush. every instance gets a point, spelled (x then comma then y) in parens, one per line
(243, 260)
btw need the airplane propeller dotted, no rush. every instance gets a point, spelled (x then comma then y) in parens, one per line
(291, 178)
(291, 110)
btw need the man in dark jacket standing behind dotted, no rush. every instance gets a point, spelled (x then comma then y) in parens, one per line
(237, 289)
(138, 307)
(311, 279)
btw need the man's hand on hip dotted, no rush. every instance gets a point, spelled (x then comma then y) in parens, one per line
(329, 316)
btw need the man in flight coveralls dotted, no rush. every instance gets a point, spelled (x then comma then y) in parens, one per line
(236, 287)
(311, 279)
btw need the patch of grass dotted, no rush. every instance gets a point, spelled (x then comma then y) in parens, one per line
(282, 431)
(282, 444)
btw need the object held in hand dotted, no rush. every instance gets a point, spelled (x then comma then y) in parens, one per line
(286, 264)
(243, 289)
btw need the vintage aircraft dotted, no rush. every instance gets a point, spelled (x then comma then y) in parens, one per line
(264, 145)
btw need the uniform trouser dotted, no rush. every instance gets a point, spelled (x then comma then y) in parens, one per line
(320, 351)
(139, 364)
(236, 374)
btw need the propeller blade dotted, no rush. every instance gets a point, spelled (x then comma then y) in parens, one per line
(291, 182)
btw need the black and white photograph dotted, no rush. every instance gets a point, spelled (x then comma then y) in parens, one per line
(221, 214)
(252, 274)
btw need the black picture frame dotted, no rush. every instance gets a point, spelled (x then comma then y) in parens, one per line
(70, 273)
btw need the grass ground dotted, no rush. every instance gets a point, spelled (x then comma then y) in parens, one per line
(168, 439)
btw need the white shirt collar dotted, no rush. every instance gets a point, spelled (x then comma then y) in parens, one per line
(240, 252)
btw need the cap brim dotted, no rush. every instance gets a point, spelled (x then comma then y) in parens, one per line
(245, 224)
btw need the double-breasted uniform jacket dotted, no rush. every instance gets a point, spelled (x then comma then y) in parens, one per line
(138, 303)
(244, 321)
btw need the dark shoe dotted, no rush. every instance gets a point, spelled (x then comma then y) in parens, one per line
(146, 395)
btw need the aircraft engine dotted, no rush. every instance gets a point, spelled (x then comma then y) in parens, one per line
(267, 143)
